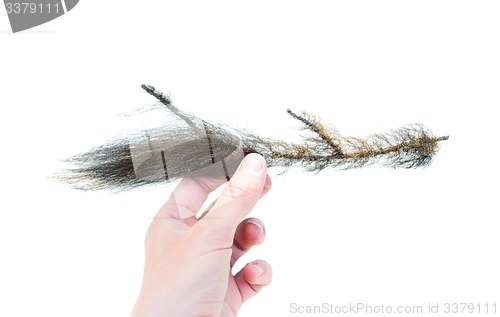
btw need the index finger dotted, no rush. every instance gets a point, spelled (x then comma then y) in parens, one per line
(187, 198)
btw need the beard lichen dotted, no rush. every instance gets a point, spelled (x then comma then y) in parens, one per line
(200, 148)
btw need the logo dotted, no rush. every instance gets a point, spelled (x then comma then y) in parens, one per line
(31, 13)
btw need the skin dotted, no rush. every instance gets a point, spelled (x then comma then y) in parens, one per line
(188, 262)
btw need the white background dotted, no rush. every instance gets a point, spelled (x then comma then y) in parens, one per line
(375, 235)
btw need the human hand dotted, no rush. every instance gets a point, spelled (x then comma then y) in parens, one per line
(188, 263)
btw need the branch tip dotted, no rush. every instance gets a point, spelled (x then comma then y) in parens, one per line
(164, 99)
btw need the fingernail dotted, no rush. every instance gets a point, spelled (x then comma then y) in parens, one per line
(260, 270)
(252, 163)
(268, 182)
(261, 228)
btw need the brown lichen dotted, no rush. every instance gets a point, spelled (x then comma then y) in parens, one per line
(200, 144)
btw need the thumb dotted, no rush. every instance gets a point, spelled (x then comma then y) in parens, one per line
(237, 198)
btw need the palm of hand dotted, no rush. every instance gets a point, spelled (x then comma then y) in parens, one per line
(189, 260)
